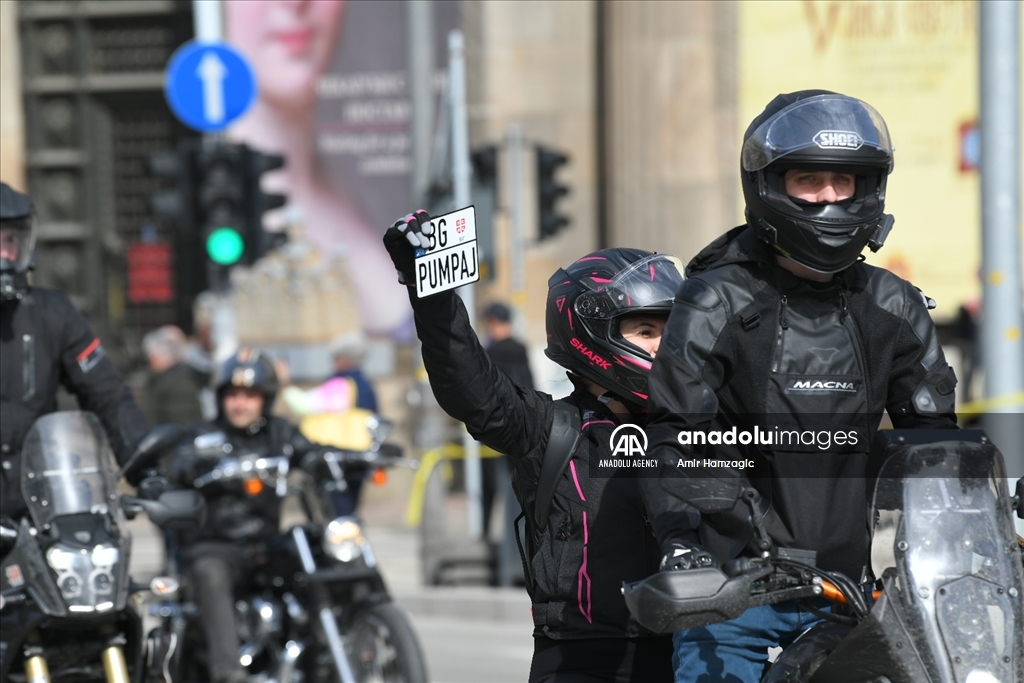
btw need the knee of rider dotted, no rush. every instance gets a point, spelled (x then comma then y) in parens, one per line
(210, 570)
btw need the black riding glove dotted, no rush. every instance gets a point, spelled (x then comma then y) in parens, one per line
(683, 555)
(403, 239)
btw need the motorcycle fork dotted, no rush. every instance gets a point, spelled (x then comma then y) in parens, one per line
(115, 666)
(322, 604)
(36, 670)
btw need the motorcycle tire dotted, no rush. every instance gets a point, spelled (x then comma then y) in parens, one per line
(383, 647)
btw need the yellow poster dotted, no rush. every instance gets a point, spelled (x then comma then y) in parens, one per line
(917, 63)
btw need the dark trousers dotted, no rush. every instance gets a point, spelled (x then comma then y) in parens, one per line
(489, 469)
(214, 569)
(602, 660)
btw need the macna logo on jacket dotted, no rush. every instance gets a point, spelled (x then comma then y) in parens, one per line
(821, 386)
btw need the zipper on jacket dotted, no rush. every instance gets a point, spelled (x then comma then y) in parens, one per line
(847, 322)
(781, 334)
(844, 308)
(28, 367)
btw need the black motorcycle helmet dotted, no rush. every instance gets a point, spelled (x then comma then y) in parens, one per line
(586, 303)
(817, 130)
(247, 368)
(18, 234)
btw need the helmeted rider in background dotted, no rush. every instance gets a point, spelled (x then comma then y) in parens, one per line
(238, 521)
(780, 324)
(605, 313)
(45, 343)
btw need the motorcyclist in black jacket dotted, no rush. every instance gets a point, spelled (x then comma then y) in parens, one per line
(237, 520)
(46, 342)
(605, 313)
(781, 328)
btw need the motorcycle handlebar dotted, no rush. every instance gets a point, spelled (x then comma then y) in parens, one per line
(277, 467)
(244, 467)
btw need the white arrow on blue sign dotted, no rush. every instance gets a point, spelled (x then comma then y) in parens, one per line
(208, 85)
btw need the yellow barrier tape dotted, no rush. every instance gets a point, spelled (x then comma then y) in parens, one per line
(430, 460)
(975, 408)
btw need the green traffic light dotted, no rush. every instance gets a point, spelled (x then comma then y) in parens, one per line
(225, 246)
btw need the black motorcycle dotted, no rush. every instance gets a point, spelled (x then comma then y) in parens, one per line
(64, 606)
(947, 606)
(315, 606)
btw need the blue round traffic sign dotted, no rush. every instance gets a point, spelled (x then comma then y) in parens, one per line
(208, 85)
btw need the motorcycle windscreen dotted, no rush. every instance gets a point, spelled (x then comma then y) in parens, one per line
(952, 542)
(67, 467)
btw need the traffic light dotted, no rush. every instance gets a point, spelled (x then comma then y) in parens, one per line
(231, 203)
(484, 193)
(174, 203)
(220, 203)
(549, 191)
(258, 202)
(174, 200)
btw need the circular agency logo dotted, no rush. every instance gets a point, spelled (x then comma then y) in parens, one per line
(628, 440)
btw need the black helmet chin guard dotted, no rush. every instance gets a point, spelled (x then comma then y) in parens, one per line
(588, 300)
(825, 131)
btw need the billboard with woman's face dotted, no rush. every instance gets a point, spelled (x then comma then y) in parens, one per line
(333, 98)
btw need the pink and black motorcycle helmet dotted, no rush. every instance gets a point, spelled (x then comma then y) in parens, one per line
(586, 303)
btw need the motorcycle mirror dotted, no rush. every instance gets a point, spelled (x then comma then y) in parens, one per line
(379, 428)
(152, 446)
(1018, 499)
(708, 494)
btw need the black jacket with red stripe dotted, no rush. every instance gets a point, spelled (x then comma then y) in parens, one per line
(597, 533)
(45, 342)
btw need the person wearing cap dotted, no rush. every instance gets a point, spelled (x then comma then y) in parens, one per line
(780, 324)
(509, 355)
(46, 343)
(507, 352)
(348, 351)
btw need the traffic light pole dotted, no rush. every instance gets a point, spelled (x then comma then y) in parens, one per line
(461, 172)
(517, 232)
(208, 20)
(1002, 343)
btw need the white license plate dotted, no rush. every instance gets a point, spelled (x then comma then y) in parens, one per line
(452, 259)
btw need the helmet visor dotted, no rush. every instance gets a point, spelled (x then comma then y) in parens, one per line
(839, 129)
(17, 239)
(650, 283)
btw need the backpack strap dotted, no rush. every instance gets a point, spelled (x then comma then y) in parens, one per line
(565, 436)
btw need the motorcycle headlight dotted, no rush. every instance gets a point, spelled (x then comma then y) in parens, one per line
(343, 539)
(978, 676)
(60, 559)
(104, 555)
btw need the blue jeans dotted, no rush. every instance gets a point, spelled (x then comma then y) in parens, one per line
(737, 651)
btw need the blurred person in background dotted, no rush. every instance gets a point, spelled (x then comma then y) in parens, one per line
(289, 45)
(335, 412)
(45, 343)
(509, 354)
(172, 386)
(348, 351)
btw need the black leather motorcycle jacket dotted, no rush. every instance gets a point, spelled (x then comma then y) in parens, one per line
(597, 534)
(749, 344)
(232, 513)
(44, 343)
